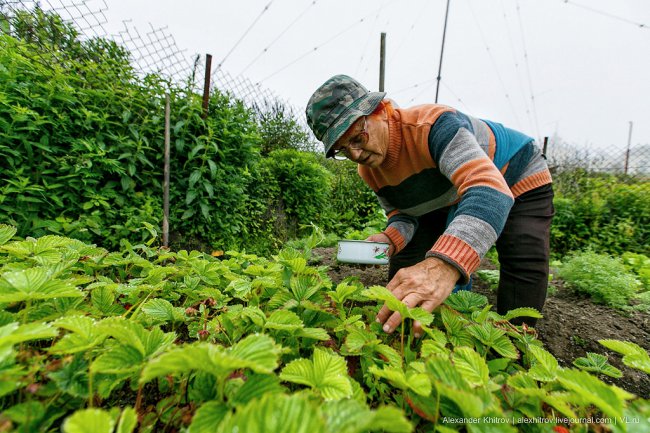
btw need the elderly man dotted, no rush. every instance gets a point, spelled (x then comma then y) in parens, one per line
(451, 185)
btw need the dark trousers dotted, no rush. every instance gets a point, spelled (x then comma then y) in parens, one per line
(523, 249)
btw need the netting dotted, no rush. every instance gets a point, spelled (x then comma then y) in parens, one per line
(151, 50)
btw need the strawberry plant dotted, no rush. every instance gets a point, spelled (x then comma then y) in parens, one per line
(148, 340)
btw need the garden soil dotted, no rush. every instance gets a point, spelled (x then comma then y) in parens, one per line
(571, 327)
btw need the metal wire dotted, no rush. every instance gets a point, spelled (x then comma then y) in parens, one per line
(155, 50)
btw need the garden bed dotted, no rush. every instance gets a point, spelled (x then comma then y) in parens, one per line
(571, 327)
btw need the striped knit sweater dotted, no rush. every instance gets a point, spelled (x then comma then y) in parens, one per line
(438, 157)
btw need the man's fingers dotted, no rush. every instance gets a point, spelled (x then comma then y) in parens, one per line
(411, 300)
(393, 322)
(417, 326)
(395, 319)
(396, 281)
(398, 289)
(383, 314)
(417, 329)
(429, 305)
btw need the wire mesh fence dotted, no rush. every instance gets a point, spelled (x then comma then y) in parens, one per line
(622, 159)
(155, 50)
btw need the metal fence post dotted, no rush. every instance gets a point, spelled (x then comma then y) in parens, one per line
(629, 144)
(382, 61)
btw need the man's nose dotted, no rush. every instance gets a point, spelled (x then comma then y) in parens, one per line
(355, 153)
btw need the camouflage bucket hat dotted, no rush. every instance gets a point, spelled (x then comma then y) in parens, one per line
(336, 105)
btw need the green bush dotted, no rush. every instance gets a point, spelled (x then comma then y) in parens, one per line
(640, 265)
(605, 212)
(604, 278)
(305, 189)
(82, 154)
(280, 128)
(575, 223)
(265, 228)
(354, 203)
(626, 219)
(211, 163)
(83, 139)
(69, 150)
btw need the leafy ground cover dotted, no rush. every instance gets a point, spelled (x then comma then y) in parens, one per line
(154, 340)
(608, 280)
(571, 327)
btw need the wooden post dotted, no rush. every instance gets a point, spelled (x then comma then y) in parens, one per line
(382, 61)
(206, 85)
(165, 223)
(545, 146)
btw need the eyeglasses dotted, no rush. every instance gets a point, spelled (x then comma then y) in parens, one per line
(355, 143)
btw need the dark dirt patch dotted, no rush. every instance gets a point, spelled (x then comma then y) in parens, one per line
(571, 327)
(369, 275)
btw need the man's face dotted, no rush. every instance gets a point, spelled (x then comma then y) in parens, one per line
(360, 145)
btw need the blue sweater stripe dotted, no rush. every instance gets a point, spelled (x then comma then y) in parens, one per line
(518, 163)
(473, 204)
(509, 142)
(445, 129)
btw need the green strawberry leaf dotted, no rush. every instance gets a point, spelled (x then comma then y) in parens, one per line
(471, 365)
(89, 421)
(208, 417)
(34, 284)
(596, 363)
(544, 365)
(275, 414)
(351, 416)
(326, 373)
(6, 233)
(255, 352)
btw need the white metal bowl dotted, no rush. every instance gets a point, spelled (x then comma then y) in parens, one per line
(363, 252)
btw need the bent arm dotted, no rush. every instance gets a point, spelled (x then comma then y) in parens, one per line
(485, 198)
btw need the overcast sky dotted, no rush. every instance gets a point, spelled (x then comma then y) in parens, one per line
(580, 69)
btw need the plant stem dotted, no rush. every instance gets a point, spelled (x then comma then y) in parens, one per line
(90, 389)
(221, 386)
(138, 399)
(25, 312)
(90, 380)
(437, 414)
(402, 338)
